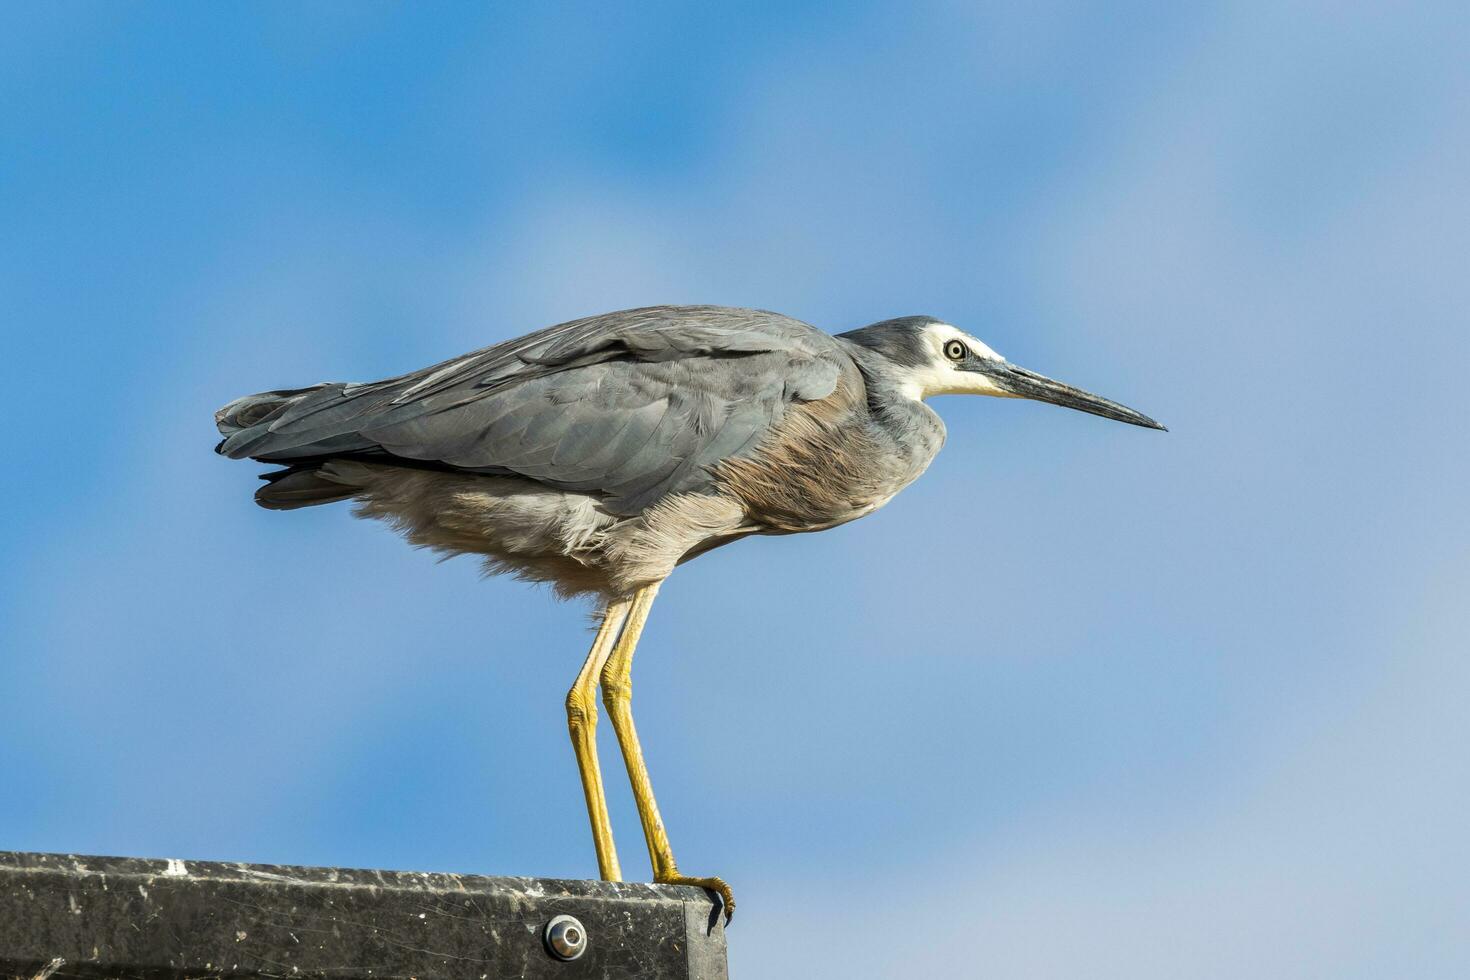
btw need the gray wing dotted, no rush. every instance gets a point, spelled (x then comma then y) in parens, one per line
(630, 406)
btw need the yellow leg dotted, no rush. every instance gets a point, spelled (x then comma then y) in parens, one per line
(582, 723)
(617, 694)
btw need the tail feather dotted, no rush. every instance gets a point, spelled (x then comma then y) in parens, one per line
(310, 432)
(245, 421)
(290, 424)
(303, 486)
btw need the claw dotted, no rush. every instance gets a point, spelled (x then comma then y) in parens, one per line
(717, 885)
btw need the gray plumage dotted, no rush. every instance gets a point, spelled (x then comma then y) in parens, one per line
(629, 406)
(600, 453)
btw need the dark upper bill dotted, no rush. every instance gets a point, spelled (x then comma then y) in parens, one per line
(1028, 384)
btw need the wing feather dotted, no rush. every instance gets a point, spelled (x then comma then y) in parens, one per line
(630, 406)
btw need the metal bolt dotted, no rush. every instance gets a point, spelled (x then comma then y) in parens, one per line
(566, 937)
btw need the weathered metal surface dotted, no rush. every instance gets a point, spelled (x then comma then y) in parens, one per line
(165, 919)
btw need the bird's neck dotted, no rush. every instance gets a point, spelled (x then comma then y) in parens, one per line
(897, 410)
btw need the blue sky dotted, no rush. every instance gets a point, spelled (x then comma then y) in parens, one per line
(1118, 703)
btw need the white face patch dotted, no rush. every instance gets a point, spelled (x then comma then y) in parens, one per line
(939, 376)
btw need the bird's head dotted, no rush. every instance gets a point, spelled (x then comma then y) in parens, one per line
(930, 357)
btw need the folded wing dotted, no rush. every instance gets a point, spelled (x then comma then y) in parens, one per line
(629, 406)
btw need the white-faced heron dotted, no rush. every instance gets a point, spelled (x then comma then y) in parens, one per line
(599, 454)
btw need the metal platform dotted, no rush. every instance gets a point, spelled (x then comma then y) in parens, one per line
(67, 916)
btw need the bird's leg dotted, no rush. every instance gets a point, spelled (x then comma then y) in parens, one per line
(617, 695)
(582, 723)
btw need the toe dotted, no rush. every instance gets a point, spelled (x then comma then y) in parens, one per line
(716, 885)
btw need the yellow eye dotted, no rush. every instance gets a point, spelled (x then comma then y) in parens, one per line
(955, 351)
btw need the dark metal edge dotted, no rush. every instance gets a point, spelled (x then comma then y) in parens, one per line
(164, 919)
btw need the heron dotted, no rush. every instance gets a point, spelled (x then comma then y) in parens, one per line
(598, 455)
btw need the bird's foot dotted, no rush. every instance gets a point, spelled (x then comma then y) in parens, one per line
(717, 885)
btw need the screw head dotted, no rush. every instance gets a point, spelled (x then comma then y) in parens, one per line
(566, 938)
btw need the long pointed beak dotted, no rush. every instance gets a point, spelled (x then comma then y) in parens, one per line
(1021, 383)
